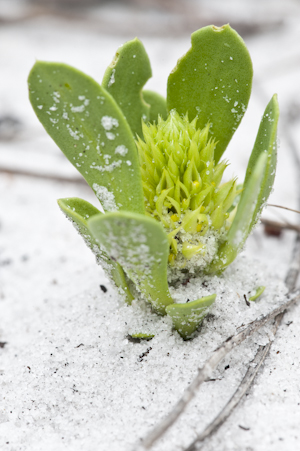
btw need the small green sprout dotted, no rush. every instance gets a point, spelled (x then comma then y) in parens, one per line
(140, 336)
(257, 293)
(155, 165)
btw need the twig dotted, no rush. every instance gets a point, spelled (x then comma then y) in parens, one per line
(285, 208)
(206, 371)
(240, 392)
(280, 225)
(294, 268)
(55, 178)
(212, 363)
(255, 365)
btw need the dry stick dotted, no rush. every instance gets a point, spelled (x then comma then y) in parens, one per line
(206, 371)
(55, 178)
(219, 354)
(240, 392)
(284, 208)
(256, 363)
(212, 363)
(294, 268)
(280, 225)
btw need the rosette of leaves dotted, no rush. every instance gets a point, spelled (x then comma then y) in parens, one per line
(155, 164)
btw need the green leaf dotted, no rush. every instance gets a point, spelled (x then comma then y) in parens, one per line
(140, 245)
(240, 227)
(124, 79)
(239, 189)
(158, 106)
(140, 336)
(266, 142)
(90, 129)
(187, 317)
(257, 187)
(78, 211)
(213, 80)
(258, 292)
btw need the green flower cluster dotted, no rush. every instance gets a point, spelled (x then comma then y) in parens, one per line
(181, 185)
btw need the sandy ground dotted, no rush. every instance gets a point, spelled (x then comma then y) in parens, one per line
(70, 378)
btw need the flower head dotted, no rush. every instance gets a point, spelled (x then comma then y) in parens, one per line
(181, 185)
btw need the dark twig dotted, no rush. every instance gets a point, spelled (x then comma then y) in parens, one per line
(280, 225)
(206, 371)
(294, 269)
(55, 178)
(240, 392)
(284, 208)
(253, 367)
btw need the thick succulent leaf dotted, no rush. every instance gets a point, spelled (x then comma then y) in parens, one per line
(124, 79)
(90, 129)
(78, 211)
(140, 245)
(158, 105)
(213, 80)
(266, 142)
(187, 317)
(241, 225)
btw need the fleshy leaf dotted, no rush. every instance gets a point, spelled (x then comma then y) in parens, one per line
(124, 79)
(187, 317)
(140, 245)
(213, 80)
(90, 129)
(78, 211)
(240, 227)
(257, 187)
(158, 105)
(140, 336)
(266, 142)
(258, 292)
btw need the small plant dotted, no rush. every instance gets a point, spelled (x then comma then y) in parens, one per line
(155, 165)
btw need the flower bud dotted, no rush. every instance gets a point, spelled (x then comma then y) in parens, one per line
(182, 190)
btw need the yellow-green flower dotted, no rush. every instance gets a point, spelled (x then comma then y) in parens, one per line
(182, 190)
